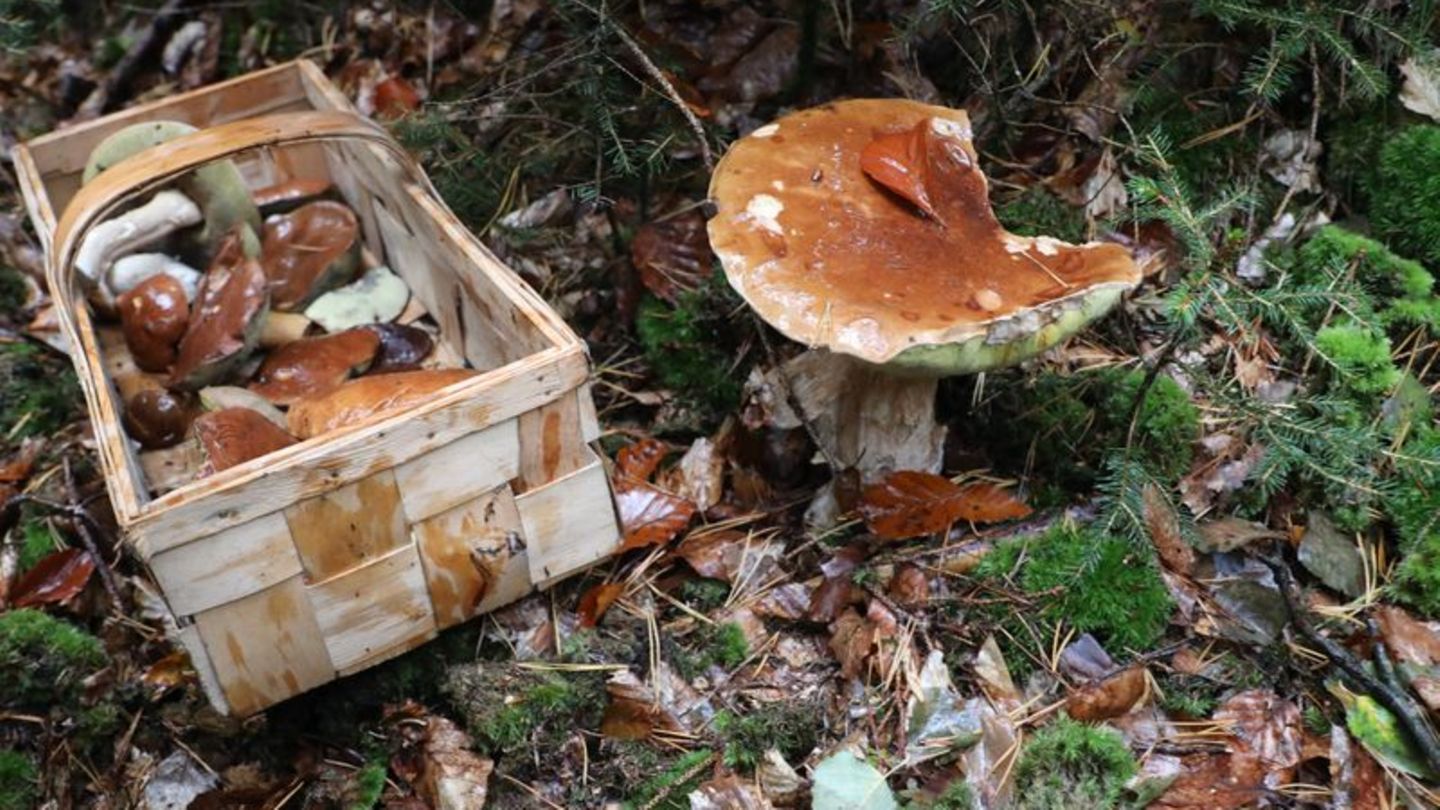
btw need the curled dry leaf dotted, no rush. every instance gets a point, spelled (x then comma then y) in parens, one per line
(730, 555)
(364, 398)
(315, 366)
(636, 463)
(672, 255)
(232, 436)
(650, 517)
(595, 601)
(1267, 728)
(394, 97)
(912, 503)
(1107, 698)
(702, 474)
(1163, 524)
(909, 586)
(56, 578)
(896, 160)
(1214, 782)
(169, 672)
(728, 793)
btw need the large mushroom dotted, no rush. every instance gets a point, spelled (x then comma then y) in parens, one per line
(863, 229)
(308, 251)
(226, 318)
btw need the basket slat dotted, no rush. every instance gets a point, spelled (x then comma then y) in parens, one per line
(569, 523)
(367, 611)
(453, 474)
(474, 556)
(227, 565)
(348, 526)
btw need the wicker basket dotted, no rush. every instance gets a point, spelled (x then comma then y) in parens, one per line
(335, 554)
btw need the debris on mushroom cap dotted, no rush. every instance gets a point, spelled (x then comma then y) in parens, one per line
(310, 250)
(402, 347)
(377, 297)
(226, 318)
(232, 436)
(168, 211)
(315, 366)
(129, 271)
(158, 418)
(360, 399)
(218, 186)
(220, 397)
(286, 196)
(865, 227)
(153, 317)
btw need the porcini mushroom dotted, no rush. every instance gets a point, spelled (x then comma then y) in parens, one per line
(128, 272)
(289, 195)
(363, 398)
(218, 187)
(220, 397)
(402, 347)
(379, 296)
(308, 251)
(226, 318)
(315, 366)
(232, 436)
(863, 229)
(158, 418)
(163, 214)
(153, 318)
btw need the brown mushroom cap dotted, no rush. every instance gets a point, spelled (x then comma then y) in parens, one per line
(900, 262)
(402, 347)
(310, 250)
(314, 366)
(232, 436)
(153, 316)
(360, 399)
(287, 195)
(158, 418)
(226, 318)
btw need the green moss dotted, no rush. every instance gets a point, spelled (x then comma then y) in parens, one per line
(40, 390)
(19, 780)
(1352, 151)
(13, 291)
(366, 787)
(1068, 764)
(1061, 428)
(722, 645)
(36, 542)
(1037, 212)
(675, 782)
(1094, 583)
(788, 727)
(1363, 368)
(1416, 581)
(703, 594)
(508, 709)
(1405, 197)
(1403, 289)
(47, 659)
(681, 347)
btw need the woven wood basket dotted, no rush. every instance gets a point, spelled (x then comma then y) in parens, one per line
(337, 553)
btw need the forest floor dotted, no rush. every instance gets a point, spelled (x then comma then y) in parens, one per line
(1189, 558)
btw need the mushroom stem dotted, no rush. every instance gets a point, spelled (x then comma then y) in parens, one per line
(281, 328)
(865, 418)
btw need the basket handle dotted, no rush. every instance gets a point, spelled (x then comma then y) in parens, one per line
(158, 165)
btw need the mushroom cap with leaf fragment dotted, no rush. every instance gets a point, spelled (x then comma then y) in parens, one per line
(865, 227)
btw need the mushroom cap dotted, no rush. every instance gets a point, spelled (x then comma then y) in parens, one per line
(158, 418)
(232, 436)
(225, 319)
(902, 262)
(153, 317)
(314, 366)
(310, 250)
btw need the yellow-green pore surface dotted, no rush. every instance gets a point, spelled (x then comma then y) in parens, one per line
(832, 259)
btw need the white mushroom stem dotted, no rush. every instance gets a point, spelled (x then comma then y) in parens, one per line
(282, 327)
(168, 211)
(866, 418)
(128, 272)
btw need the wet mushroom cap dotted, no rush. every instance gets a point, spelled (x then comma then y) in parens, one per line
(232, 436)
(153, 317)
(901, 262)
(314, 366)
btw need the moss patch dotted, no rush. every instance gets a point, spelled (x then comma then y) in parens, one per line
(19, 780)
(1068, 764)
(1403, 289)
(1038, 212)
(40, 390)
(1363, 368)
(1405, 198)
(47, 659)
(508, 709)
(789, 728)
(1094, 583)
(680, 344)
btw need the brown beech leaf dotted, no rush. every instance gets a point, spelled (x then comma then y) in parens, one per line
(897, 161)
(909, 586)
(56, 578)
(672, 255)
(16, 468)
(1164, 526)
(1214, 782)
(911, 503)
(168, 673)
(1108, 697)
(636, 463)
(651, 517)
(829, 599)
(597, 600)
(394, 97)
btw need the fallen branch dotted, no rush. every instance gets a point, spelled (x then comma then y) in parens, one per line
(111, 91)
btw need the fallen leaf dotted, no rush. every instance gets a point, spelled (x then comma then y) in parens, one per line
(1084, 659)
(1107, 698)
(636, 463)
(1163, 524)
(730, 555)
(1421, 91)
(454, 777)
(177, 782)
(898, 161)
(1214, 782)
(672, 255)
(788, 601)
(845, 781)
(1230, 533)
(853, 639)
(1332, 556)
(909, 586)
(1266, 727)
(595, 601)
(651, 517)
(17, 467)
(168, 673)
(728, 793)
(779, 781)
(395, 97)
(993, 673)
(1377, 729)
(1357, 780)
(937, 721)
(56, 578)
(828, 600)
(911, 503)
(702, 474)
(636, 711)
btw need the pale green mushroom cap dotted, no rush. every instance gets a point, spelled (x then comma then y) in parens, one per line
(833, 259)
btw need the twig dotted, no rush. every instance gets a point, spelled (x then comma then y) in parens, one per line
(1407, 711)
(83, 528)
(1167, 353)
(659, 76)
(111, 90)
